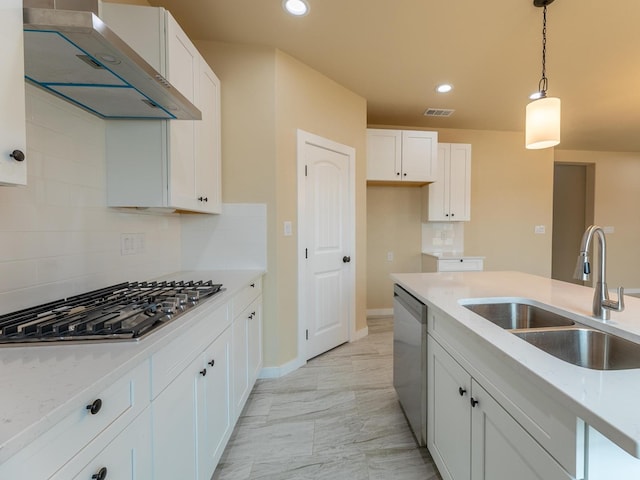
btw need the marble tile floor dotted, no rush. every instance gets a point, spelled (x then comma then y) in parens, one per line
(336, 418)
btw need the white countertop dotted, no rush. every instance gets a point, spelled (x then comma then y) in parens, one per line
(43, 384)
(453, 256)
(607, 400)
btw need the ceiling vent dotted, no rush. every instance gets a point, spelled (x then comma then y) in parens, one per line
(438, 112)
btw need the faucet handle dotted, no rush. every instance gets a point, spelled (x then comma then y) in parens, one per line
(616, 306)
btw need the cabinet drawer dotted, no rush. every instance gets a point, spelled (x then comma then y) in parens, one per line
(168, 362)
(245, 296)
(460, 265)
(127, 457)
(120, 404)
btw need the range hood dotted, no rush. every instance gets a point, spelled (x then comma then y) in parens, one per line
(71, 53)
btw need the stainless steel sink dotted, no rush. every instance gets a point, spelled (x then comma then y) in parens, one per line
(514, 315)
(585, 347)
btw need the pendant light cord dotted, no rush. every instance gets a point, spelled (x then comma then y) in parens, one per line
(544, 82)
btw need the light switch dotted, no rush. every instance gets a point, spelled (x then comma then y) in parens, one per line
(288, 229)
(389, 256)
(540, 229)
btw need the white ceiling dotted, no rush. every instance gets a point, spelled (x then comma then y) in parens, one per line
(394, 52)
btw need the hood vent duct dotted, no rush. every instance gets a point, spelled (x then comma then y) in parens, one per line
(71, 53)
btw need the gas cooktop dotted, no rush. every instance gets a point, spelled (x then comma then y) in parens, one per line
(126, 311)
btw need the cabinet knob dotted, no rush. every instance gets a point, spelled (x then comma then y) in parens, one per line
(346, 259)
(253, 285)
(461, 391)
(251, 315)
(101, 475)
(17, 155)
(446, 214)
(95, 406)
(211, 362)
(474, 402)
(453, 214)
(397, 174)
(203, 372)
(404, 174)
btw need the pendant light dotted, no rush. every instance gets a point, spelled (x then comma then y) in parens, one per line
(543, 113)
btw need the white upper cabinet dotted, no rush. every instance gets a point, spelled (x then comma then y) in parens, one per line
(450, 195)
(173, 164)
(408, 156)
(13, 142)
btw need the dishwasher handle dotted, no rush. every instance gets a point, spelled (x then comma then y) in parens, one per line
(417, 309)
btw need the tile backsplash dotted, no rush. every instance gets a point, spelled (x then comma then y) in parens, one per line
(438, 237)
(57, 237)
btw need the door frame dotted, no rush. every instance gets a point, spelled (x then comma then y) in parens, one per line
(305, 138)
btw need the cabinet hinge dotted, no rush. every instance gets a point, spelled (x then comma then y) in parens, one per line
(307, 334)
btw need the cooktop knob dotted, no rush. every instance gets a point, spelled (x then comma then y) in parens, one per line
(193, 295)
(170, 305)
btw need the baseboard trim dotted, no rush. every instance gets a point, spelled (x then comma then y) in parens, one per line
(363, 332)
(282, 370)
(379, 312)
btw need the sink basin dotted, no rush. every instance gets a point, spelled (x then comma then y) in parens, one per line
(514, 315)
(586, 347)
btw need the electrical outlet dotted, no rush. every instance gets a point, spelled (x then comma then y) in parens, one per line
(127, 244)
(540, 229)
(608, 229)
(389, 256)
(288, 229)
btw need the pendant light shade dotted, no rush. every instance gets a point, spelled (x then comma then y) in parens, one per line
(543, 123)
(543, 114)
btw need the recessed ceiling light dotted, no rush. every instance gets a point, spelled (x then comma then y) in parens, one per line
(298, 8)
(444, 88)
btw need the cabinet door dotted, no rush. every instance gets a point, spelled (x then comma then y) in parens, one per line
(254, 344)
(460, 182)
(502, 449)
(182, 71)
(449, 414)
(208, 153)
(174, 426)
(12, 106)
(214, 409)
(439, 189)
(240, 361)
(419, 156)
(384, 155)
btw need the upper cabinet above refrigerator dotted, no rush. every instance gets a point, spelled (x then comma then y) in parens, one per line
(13, 163)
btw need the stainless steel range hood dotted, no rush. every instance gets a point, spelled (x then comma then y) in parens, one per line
(71, 53)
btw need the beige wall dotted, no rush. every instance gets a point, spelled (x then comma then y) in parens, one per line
(616, 198)
(511, 193)
(393, 225)
(266, 96)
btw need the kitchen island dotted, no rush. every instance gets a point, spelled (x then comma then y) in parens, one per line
(587, 420)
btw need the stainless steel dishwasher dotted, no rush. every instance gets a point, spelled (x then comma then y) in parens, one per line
(410, 359)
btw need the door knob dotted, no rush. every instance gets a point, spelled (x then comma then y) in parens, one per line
(346, 259)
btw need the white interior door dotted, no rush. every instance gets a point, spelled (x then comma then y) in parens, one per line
(326, 193)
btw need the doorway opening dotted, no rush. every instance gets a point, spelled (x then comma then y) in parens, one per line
(573, 212)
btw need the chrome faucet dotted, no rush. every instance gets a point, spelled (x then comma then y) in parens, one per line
(602, 305)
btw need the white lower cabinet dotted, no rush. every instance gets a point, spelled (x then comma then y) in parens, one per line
(191, 419)
(247, 343)
(470, 436)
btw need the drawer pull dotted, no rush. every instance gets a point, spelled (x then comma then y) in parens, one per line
(211, 363)
(101, 475)
(95, 406)
(203, 372)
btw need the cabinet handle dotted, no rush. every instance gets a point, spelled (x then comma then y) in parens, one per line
(253, 285)
(461, 391)
(211, 362)
(203, 199)
(251, 315)
(17, 155)
(95, 406)
(101, 475)
(474, 402)
(203, 372)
